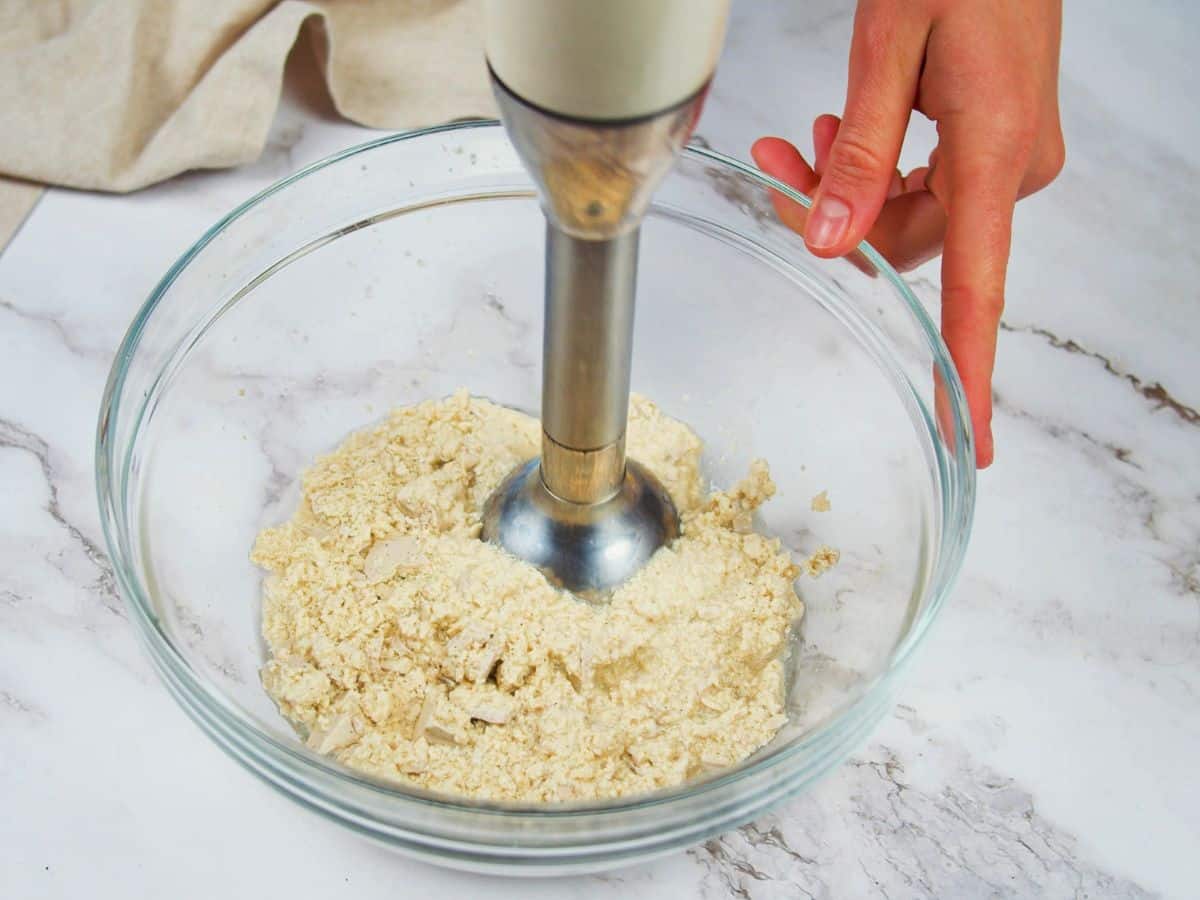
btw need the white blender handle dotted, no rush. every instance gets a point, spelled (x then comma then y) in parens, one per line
(604, 59)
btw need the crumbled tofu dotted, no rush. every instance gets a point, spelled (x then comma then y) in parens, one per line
(345, 730)
(439, 721)
(820, 503)
(510, 673)
(385, 557)
(411, 650)
(485, 703)
(471, 654)
(825, 558)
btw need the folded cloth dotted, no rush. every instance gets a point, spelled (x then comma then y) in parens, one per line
(17, 200)
(118, 95)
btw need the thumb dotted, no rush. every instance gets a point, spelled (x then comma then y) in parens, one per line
(885, 63)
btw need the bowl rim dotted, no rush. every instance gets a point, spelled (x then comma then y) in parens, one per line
(954, 466)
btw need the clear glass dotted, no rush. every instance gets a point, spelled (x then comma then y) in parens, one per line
(411, 266)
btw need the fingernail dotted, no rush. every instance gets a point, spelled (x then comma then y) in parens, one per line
(828, 223)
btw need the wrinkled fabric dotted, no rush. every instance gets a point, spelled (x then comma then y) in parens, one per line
(118, 95)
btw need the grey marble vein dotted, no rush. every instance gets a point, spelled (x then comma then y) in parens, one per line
(103, 585)
(55, 325)
(1158, 395)
(22, 709)
(904, 837)
(1058, 430)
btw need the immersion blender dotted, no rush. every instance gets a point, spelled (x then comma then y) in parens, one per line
(598, 97)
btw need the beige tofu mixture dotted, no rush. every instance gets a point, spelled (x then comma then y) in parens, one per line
(406, 648)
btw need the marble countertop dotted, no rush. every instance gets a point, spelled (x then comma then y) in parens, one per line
(1045, 742)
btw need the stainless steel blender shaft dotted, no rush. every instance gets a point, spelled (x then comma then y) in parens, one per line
(595, 179)
(583, 512)
(586, 356)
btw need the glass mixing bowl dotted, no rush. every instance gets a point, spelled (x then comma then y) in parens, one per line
(408, 267)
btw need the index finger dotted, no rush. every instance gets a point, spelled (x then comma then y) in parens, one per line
(977, 181)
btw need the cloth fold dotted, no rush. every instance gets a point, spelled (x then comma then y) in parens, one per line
(116, 96)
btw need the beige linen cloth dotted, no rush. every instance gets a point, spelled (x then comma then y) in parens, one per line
(114, 95)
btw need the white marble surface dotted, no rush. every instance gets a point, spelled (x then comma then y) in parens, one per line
(1046, 740)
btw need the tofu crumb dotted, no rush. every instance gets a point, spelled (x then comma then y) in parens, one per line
(820, 503)
(824, 559)
(406, 648)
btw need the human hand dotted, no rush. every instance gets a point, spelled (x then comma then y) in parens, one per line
(986, 72)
